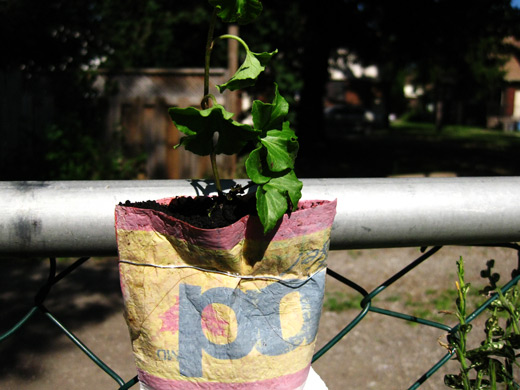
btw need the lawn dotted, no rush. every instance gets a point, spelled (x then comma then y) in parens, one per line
(456, 133)
(414, 149)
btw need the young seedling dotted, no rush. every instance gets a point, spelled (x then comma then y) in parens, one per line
(211, 130)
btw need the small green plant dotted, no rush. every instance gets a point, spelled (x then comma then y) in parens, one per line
(492, 362)
(211, 130)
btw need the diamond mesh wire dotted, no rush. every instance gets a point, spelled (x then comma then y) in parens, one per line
(367, 306)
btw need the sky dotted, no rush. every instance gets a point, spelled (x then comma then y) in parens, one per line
(515, 3)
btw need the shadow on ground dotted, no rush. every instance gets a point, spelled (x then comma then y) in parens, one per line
(381, 352)
(87, 296)
(388, 152)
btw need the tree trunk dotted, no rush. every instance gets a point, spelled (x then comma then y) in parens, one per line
(310, 120)
(439, 115)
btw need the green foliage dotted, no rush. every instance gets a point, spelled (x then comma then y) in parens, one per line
(237, 11)
(491, 363)
(212, 130)
(201, 125)
(153, 33)
(455, 47)
(64, 160)
(247, 74)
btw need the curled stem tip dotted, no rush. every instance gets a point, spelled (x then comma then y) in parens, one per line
(231, 36)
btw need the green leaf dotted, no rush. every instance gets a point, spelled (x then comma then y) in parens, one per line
(270, 116)
(248, 73)
(274, 154)
(453, 381)
(282, 148)
(271, 205)
(237, 11)
(275, 197)
(493, 328)
(200, 127)
(514, 340)
(289, 185)
(254, 166)
(279, 145)
(497, 348)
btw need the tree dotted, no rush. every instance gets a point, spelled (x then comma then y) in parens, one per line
(46, 52)
(454, 46)
(52, 53)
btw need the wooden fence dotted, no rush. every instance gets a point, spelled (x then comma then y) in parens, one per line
(139, 109)
(26, 108)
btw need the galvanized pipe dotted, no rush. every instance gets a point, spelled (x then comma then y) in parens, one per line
(76, 218)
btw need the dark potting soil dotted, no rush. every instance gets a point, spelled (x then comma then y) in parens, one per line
(203, 211)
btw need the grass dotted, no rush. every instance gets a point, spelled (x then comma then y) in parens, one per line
(410, 148)
(457, 133)
(338, 301)
(433, 305)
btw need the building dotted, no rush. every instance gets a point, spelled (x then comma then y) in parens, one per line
(508, 114)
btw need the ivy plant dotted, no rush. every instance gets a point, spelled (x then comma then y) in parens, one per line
(491, 363)
(211, 129)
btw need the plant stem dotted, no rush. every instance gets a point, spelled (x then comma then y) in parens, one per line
(461, 313)
(205, 100)
(510, 307)
(209, 47)
(213, 158)
(492, 375)
(478, 383)
(240, 40)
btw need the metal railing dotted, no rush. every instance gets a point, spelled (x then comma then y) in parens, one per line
(77, 218)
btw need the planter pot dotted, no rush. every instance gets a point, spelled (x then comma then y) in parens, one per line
(225, 308)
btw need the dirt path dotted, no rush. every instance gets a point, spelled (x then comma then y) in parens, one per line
(380, 353)
(387, 353)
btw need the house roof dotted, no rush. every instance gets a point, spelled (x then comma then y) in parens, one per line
(512, 69)
(512, 66)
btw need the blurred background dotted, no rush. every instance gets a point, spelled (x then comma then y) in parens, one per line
(377, 88)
